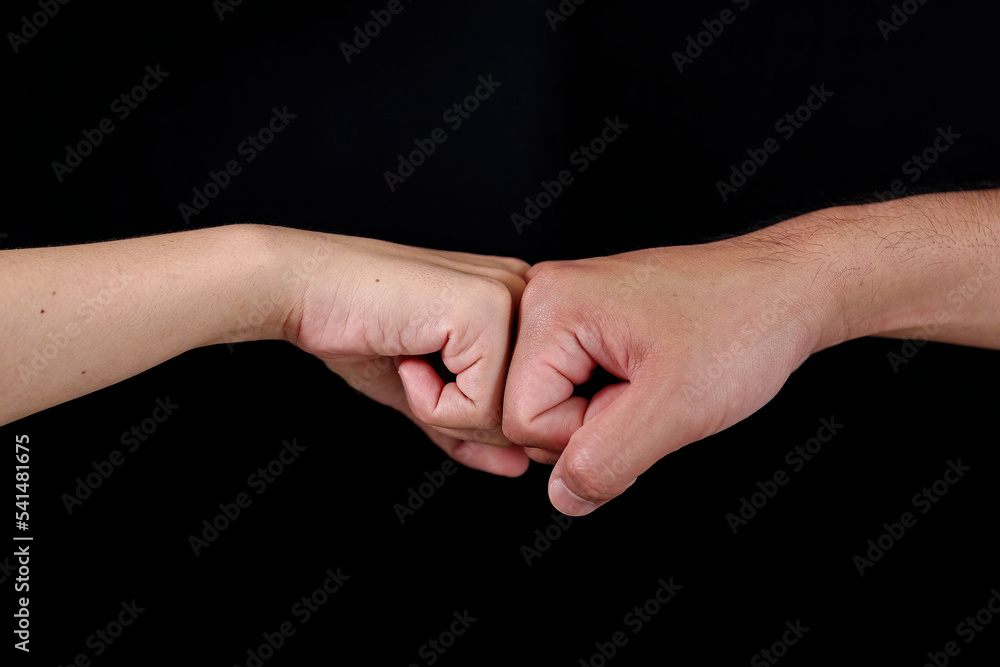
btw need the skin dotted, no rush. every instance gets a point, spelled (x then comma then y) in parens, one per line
(703, 336)
(79, 318)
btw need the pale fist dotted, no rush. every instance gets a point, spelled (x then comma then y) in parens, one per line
(373, 307)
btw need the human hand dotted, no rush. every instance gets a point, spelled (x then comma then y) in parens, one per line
(369, 308)
(702, 337)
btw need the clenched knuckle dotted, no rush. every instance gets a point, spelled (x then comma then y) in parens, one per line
(492, 293)
(513, 424)
(420, 412)
(516, 265)
(592, 479)
(487, 420)
(518, 415)
(545, 287)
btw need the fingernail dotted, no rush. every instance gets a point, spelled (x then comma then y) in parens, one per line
(568, 502)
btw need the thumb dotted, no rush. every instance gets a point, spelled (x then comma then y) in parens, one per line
(606, 455)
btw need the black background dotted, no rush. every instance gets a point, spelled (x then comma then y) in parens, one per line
(334, 507)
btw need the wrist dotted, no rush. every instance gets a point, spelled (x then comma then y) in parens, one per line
(791, 268)
(900, 268)
(869, 288)
(271, 266)
(306, 270)
(830, 264)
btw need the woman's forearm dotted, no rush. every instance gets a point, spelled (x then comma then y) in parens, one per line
(79, 318)
(74, 319)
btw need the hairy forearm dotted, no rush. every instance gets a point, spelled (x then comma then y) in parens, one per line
(937, 258)
(926, 266)
(79, 318)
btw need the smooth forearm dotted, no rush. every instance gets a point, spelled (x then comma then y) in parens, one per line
(79, 318)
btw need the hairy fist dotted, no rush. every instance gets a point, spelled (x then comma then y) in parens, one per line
(700, 336)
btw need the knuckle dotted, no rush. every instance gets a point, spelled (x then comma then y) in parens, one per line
(544, 456)
(516, 265)
(518, 418)
(492, 294)
(515, 423)
(519, 284)
(421, 413)
(592, 478)
(511, 428)
(487, 421)
(546, 284)
(545, 271)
